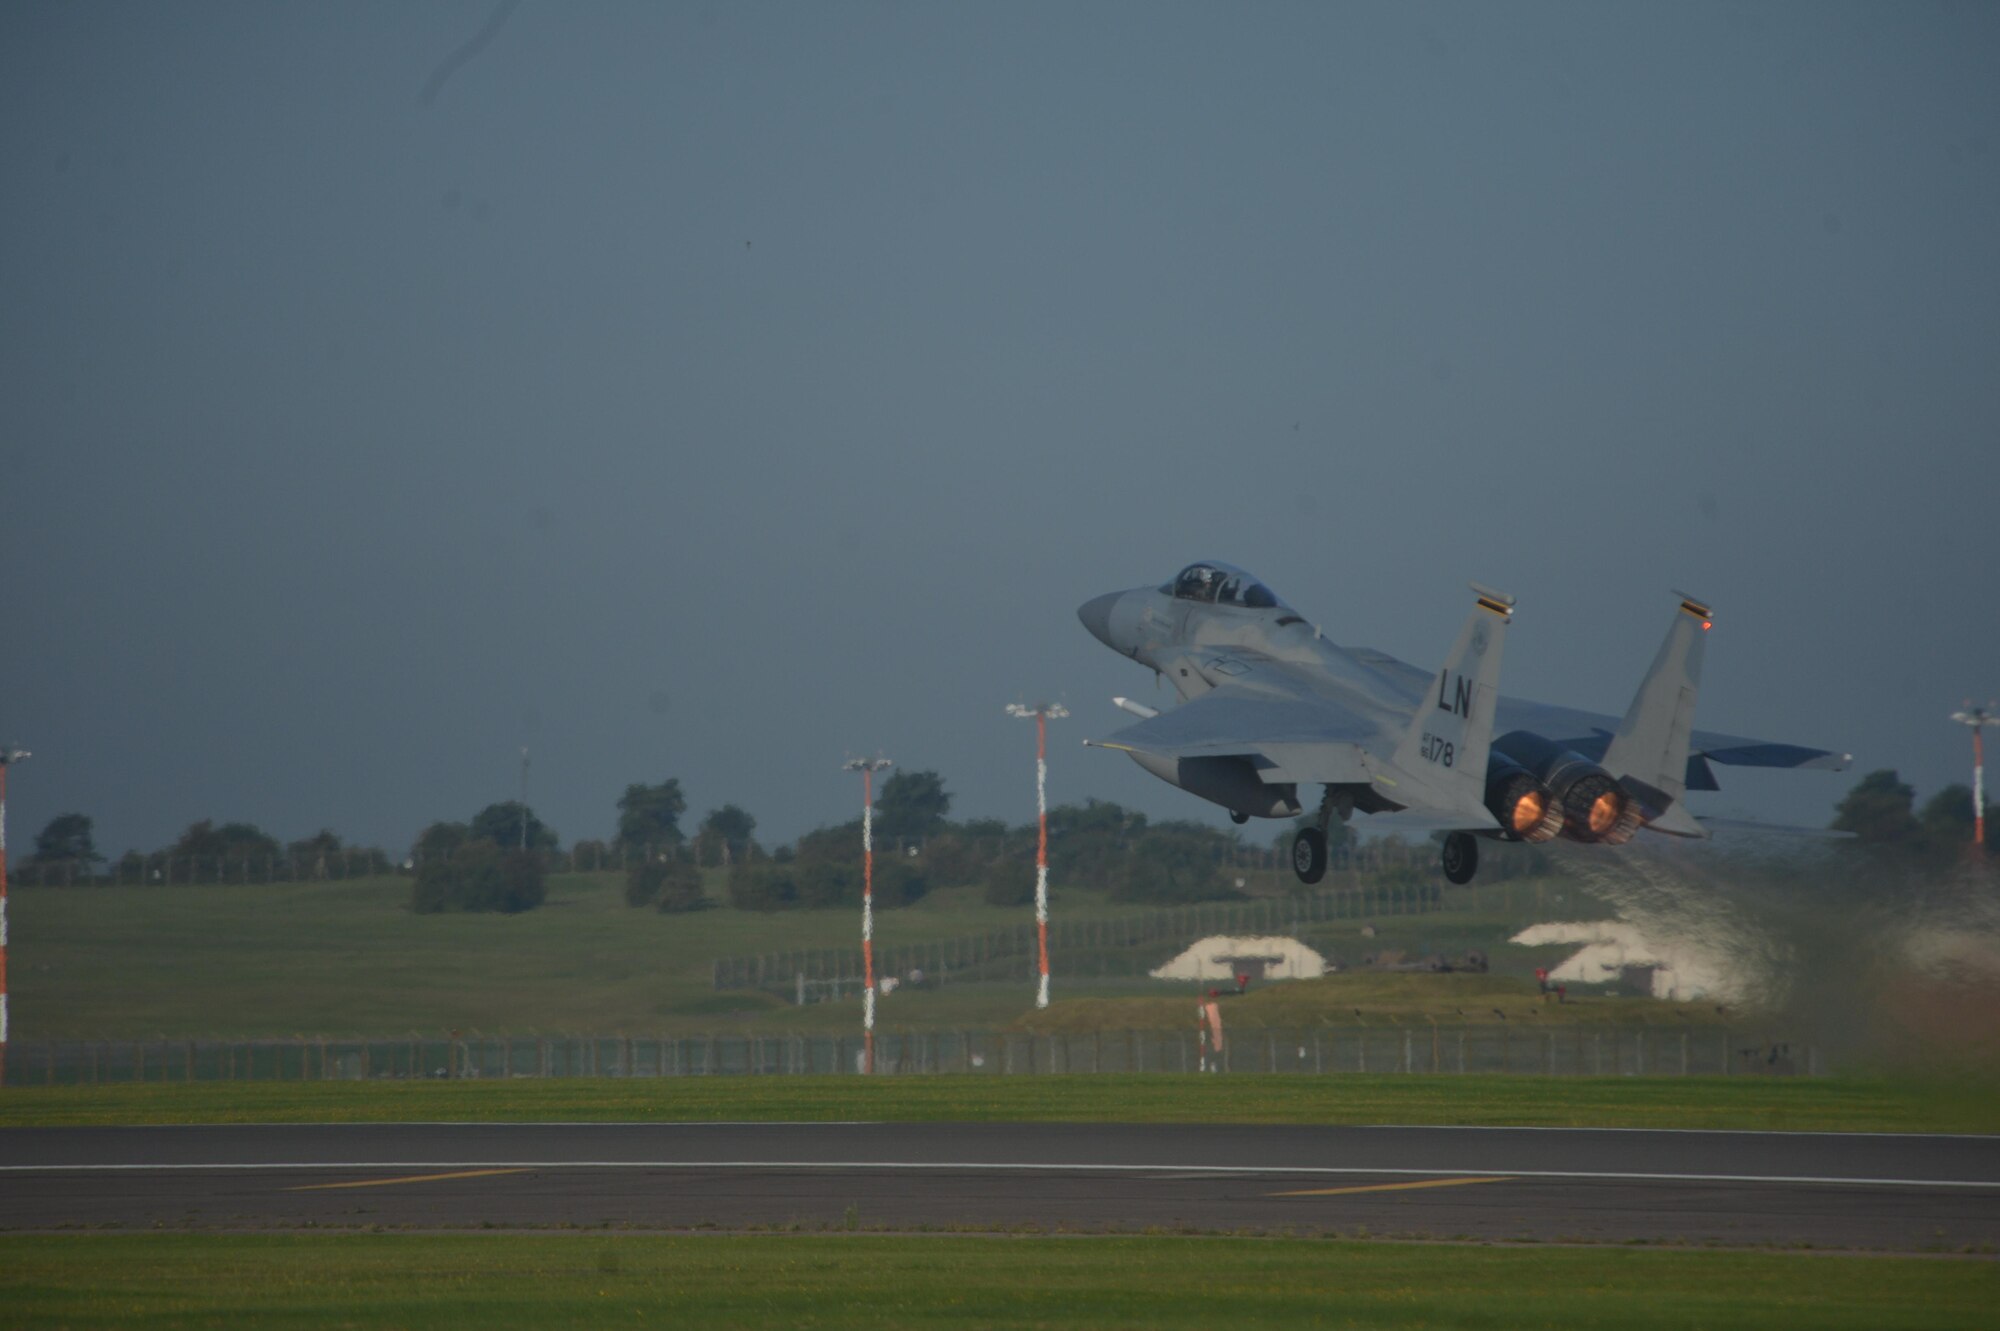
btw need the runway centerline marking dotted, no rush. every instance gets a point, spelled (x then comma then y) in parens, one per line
(1395, 1187)
(410, 1178)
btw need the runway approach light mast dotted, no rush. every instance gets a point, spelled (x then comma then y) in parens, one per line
(1041, 711)
(9, 755)
(868, 767)
(1978, 718)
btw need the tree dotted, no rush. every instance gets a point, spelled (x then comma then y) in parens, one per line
(479, 877)
(316, 854)
(1945, 826)
(1089, 841)
(439, 841)
(840, 843)
(725, 835)
(320, 843)
(1877, 810)
(754, 886)
(667, 884)
(223, 851)
(1010, 881)
(501, 824)
(954, 857)
(911, 805)
(819, 883)
(67, 840)
(1175, 862)
(651, 815)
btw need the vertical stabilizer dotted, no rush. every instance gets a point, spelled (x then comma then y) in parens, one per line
(1649, 754)
(1446, 746)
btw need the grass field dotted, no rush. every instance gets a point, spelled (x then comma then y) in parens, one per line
(349, 958)
(1826, 1104)
(880, 1281)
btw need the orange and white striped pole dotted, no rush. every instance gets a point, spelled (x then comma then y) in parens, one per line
(1041, 712)
(1978, 718)
(8, 757)
(868, 767)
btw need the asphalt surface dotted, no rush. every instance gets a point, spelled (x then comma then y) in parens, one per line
(1547, 1185)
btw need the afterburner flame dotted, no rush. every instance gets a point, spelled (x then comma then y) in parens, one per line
(1528, 811)
(1604, 811)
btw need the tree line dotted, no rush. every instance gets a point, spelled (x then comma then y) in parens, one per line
(1881, 811)
(498, 859)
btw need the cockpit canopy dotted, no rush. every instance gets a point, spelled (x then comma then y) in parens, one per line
(1216, 583)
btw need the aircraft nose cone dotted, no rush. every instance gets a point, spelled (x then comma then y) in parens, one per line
(1096, 616)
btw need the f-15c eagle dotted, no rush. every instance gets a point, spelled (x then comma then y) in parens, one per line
(1270, 709)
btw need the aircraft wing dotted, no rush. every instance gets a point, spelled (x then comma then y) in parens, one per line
(1267, 712)
(1288, 737)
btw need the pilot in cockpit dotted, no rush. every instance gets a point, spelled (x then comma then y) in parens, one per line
(1197, 583)
(1222, 585)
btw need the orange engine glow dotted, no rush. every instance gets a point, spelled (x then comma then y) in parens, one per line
(1528, 811)
(1604, 811)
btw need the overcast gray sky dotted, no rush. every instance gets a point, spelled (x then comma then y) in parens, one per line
(722, 391)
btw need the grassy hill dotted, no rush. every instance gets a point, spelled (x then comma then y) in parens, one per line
(350, 958)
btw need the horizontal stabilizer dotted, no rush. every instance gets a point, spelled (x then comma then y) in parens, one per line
(1751, 753)
(1775, 829)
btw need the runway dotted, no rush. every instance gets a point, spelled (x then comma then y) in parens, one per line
(1895, 1192)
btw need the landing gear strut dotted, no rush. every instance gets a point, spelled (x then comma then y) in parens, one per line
(1309, 846)
(1461, 858)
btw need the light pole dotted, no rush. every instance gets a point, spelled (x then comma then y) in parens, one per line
(1041, 711)
(868, 767)
(1978, 718)
(8, 757)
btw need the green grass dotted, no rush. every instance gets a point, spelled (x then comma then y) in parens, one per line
(1383, 999)
(349, 958)
(883, 1282)
(1790, 1104)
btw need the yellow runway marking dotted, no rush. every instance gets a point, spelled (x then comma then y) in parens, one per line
(1392, 1187)
(413, 1178)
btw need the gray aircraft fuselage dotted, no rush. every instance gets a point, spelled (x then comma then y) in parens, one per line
(1271, 710)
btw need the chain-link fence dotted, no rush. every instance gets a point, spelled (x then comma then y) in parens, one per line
(1553, 1051)
(1124, 945)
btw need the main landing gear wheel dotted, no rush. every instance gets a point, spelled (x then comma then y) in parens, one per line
(1309, 855)
(1238, 818)
(1461, 858)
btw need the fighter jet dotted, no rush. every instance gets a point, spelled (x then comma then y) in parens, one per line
(1273, 718)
